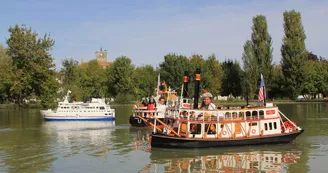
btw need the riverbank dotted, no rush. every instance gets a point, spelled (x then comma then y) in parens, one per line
(217, 102)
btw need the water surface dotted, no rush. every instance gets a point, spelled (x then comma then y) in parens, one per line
(29, 144)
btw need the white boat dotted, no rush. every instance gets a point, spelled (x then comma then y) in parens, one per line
(97, 109)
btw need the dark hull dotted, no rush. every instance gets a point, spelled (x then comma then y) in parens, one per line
(176, 142)
(137, 122)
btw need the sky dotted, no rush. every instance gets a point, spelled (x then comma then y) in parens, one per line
(147, 30)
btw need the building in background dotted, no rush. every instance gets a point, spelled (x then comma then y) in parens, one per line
(101, 57)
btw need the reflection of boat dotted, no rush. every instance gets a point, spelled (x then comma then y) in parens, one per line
(141, 140)
(224, 126)
(229, 161)
(143, 113)
(97, 109)
(95, 132)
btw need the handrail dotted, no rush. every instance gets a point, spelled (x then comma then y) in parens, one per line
(149, 123)
(165, 125)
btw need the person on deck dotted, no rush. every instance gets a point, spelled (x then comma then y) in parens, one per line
(207, 102)
(161, 108)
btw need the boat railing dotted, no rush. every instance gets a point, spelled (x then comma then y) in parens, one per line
(218, 115)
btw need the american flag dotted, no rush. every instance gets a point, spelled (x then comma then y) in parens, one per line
(261, 92)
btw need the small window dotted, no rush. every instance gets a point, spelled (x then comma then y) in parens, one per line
(275, 125)
(252, 124)
(265, 126)
(270, 126)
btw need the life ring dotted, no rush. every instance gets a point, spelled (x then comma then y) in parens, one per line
(139, 121)
(224, 133)
(253, 131)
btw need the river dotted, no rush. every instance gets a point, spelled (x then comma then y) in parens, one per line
(29, 144)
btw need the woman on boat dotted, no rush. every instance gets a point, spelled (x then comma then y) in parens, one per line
(161, 108)
(207, 102)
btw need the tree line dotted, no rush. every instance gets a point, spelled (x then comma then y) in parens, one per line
(27, 69)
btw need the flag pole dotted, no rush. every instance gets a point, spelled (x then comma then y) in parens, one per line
(264, 94)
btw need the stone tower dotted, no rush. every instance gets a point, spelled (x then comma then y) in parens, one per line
(101, 55)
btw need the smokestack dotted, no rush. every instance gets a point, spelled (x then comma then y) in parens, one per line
(197, 83)
(185, 86)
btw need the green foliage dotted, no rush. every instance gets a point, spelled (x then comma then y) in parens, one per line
(262, 47)
(145, 80)
(172, 70)
(123, 98)
(293, 53)
(32, 64)
(257, 57)
(197, 61)
(315, 78)
(69, 71)
(250, 80)
(93, 81)
(232, 78)
(120, 76)
(215, 75)
(277, 87)
(5, 75)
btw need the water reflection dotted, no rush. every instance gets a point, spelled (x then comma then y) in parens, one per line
(265, 158)
(74, 137)
(228, 161)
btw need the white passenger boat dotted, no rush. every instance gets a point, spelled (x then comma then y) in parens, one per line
(97, 109)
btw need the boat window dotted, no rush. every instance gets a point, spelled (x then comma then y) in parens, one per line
(270, 126)
(252, 124)
(102, 107)
(265, 126)
(96, 107)
(228, 115)
(106, 114)
(254, 113)
(241, 115)
(234, 115)
(211, 130)
(261, 114)
(275, 125)
(248, 115)
(195, 128)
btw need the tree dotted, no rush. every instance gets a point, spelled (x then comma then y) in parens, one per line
(215, 71)
(251, 69)
(231, 81)
(293, 53)
(172, 70)
(120, 77)
(69, 71)
(277, 87)
(262, 48)
(32, 64)
(93, 81)
(257, 56)
(145, 79)
(5, 75)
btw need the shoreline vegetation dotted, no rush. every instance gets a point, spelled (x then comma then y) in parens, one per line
(216, 102)
(28, 72)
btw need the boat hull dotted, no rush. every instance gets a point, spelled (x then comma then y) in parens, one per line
(162, 141)
(79, 119)
(95, 116)
(138, 122)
